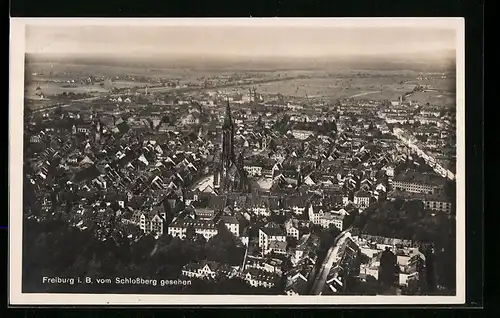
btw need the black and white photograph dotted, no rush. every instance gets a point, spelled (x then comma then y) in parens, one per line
(237, 161)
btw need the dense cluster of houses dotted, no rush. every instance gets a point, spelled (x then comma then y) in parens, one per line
(136, 172)
(409, 258)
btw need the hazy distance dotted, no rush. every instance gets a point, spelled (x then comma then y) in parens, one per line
(244, 47)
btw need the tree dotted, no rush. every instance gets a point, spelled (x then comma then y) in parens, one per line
(179, 206)
(272, 145)
(387, 270)
(278, 218)
(291, 242)
(333, 231)
(224, 248)
(190, 233)
(259, 121)
(430, 270)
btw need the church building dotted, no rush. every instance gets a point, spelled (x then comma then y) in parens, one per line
(230, 175)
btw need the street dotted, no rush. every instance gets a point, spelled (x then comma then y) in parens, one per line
(321, 277)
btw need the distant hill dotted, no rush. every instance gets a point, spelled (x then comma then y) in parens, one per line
(424, 62)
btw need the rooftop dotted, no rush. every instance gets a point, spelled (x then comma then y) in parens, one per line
(423, 178)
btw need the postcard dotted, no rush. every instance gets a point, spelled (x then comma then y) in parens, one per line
(259, 161)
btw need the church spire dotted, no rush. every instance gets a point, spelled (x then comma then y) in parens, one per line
(228, 122)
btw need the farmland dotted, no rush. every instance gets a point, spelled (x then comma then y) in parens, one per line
(52, 79)
(52, 88)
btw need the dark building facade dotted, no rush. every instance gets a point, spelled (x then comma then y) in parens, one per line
(230, 175)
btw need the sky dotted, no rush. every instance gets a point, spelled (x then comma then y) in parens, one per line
(238, 39)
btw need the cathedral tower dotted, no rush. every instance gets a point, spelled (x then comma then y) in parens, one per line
(230, 175)
(227, 155)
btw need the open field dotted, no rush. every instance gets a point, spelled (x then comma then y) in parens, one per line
(67, 71)
(129, 84)
(340, 87)
(51, 88)
(341, 83)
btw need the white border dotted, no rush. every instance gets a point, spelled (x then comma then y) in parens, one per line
(17, 48)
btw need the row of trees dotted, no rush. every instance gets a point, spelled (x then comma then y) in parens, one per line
(406, 220)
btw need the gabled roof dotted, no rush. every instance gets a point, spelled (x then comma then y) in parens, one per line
(273, 231)
(362, 193)
(278, 245)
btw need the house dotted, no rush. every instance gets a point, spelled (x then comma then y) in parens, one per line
(430, 201)
(308, 180)
(306, 249)
(302, 134)
(253, 169)
(297, 278)
(296, 228)
(232, 224)
(84, 128)
(273, 265)
(244, 237)
(292, 228)
(389, 171)
(259, 278)
(381, 188)
(276, 246)
(329, 218)
(414, 270)
(366, 185)
(297, 204)
(315, 214)
(362, 199)
(270, 265)
(207, 269)
(179, 227)
(259, 206)
(438, 204)
(346, 261)
(269, 233)
(205, 214)
(191, 197)
(345, 200)
(190, 119)
(35, 139)
(419, 183)
(296, 286)
(153, 221)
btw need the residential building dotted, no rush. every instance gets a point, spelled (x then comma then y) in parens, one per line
(153, 222)
(253, 170)
(245, 238)
(438, 203)
(269, 234)
(292, 228)
(232, 224)
(362, 199)
(318, 216)
(419, 183)
(302, 134)
(270, 265)
(297, 280)
(431, 202)
(259, 278)
(315, 214)
(306, 249)
(277, 247)
(297, 204)
(179, 227)
(207, 269)
(329, 218)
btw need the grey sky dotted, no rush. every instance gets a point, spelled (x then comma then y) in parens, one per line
(242, 40)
